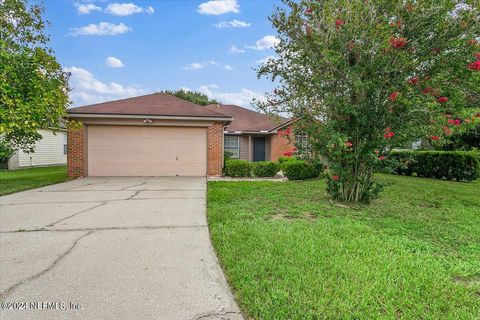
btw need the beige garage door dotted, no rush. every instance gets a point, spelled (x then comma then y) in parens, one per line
(146, 151)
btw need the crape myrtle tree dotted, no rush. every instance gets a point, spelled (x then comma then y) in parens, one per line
(365, 76)
(33, 86)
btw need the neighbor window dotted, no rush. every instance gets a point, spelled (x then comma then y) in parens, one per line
(232, 144)
(65, 148)
(301, 142)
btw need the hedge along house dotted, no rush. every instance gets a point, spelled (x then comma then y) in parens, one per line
(151, 135)
(254, 136)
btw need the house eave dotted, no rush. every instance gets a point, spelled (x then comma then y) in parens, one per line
(237, 132)
(147, 116)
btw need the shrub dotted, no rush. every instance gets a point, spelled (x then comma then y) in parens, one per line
(451, 165)
(227, 155)
(400, 162)
(283, 159)
(265, 169)
(299, 170)
(238, 168)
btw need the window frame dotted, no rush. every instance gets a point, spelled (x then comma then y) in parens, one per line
(232, 147)
(65, 144)
(302, 144)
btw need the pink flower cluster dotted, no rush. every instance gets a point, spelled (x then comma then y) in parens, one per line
(455, 122)
(393, 96)
(388, 133)
(474, 66)
(413, 80)
(290, 153)
(398, 43)
(285, 132)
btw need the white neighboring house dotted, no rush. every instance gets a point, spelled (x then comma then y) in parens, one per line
(50, 150)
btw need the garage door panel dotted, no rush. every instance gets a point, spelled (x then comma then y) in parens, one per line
(146, 151)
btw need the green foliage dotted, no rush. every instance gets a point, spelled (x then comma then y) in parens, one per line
(192, 96)
(299, 170)
(238, 168)
(289, 252)
(6, 151)
(25, 179)
(265, 169)
(33, 86)
(451, 165)
(371, 75)
(464, 140)
(284, 159)
(227, 155)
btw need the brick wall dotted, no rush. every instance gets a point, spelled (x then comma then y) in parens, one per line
(75, 154)
(215, 149)
(278, 145)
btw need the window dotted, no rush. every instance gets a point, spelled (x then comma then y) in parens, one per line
(65, 148)
(232, 144)
(301, 142)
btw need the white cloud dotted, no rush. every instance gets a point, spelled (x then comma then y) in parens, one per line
(113, 62)
(199, 65)
(194, 66)
(228, 67)
(233, 49)
(126, 9)
(266, 42)
(86, 89)
(265, 60)
(217, 7)
(87, 8)
(242, 98)
(232, 24)
(101, 29)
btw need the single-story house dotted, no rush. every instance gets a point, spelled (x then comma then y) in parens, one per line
(49, 151)
(162, 135)
(251, 135)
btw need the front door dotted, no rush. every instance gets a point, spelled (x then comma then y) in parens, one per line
(258, 148)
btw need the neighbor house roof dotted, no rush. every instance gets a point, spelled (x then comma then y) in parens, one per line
(156, 104)
(246, 120)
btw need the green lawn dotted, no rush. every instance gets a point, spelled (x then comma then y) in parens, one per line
(24, 179)
(291, 253)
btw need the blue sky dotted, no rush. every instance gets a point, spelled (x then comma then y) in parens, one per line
(119, 49)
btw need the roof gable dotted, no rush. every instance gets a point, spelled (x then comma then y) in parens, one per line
(246, 120)
(156, 104)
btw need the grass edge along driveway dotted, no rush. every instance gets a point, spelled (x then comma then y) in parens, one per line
(291, 253)
(31, 178)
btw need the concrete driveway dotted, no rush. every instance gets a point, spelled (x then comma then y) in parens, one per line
(111, 248)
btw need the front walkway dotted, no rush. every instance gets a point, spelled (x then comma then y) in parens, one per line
(111, 248)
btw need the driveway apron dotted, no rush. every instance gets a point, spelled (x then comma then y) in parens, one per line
(111, 248)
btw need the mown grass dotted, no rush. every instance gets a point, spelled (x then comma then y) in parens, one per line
(24, 179)
(291, 253)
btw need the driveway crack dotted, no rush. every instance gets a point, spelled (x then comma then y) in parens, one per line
(8, 291)
(217, 314)
(137, 185)
(134, 195)
(77, 213)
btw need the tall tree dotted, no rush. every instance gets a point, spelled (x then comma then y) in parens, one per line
(192, 96)
(365, 76)
(33, 86)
